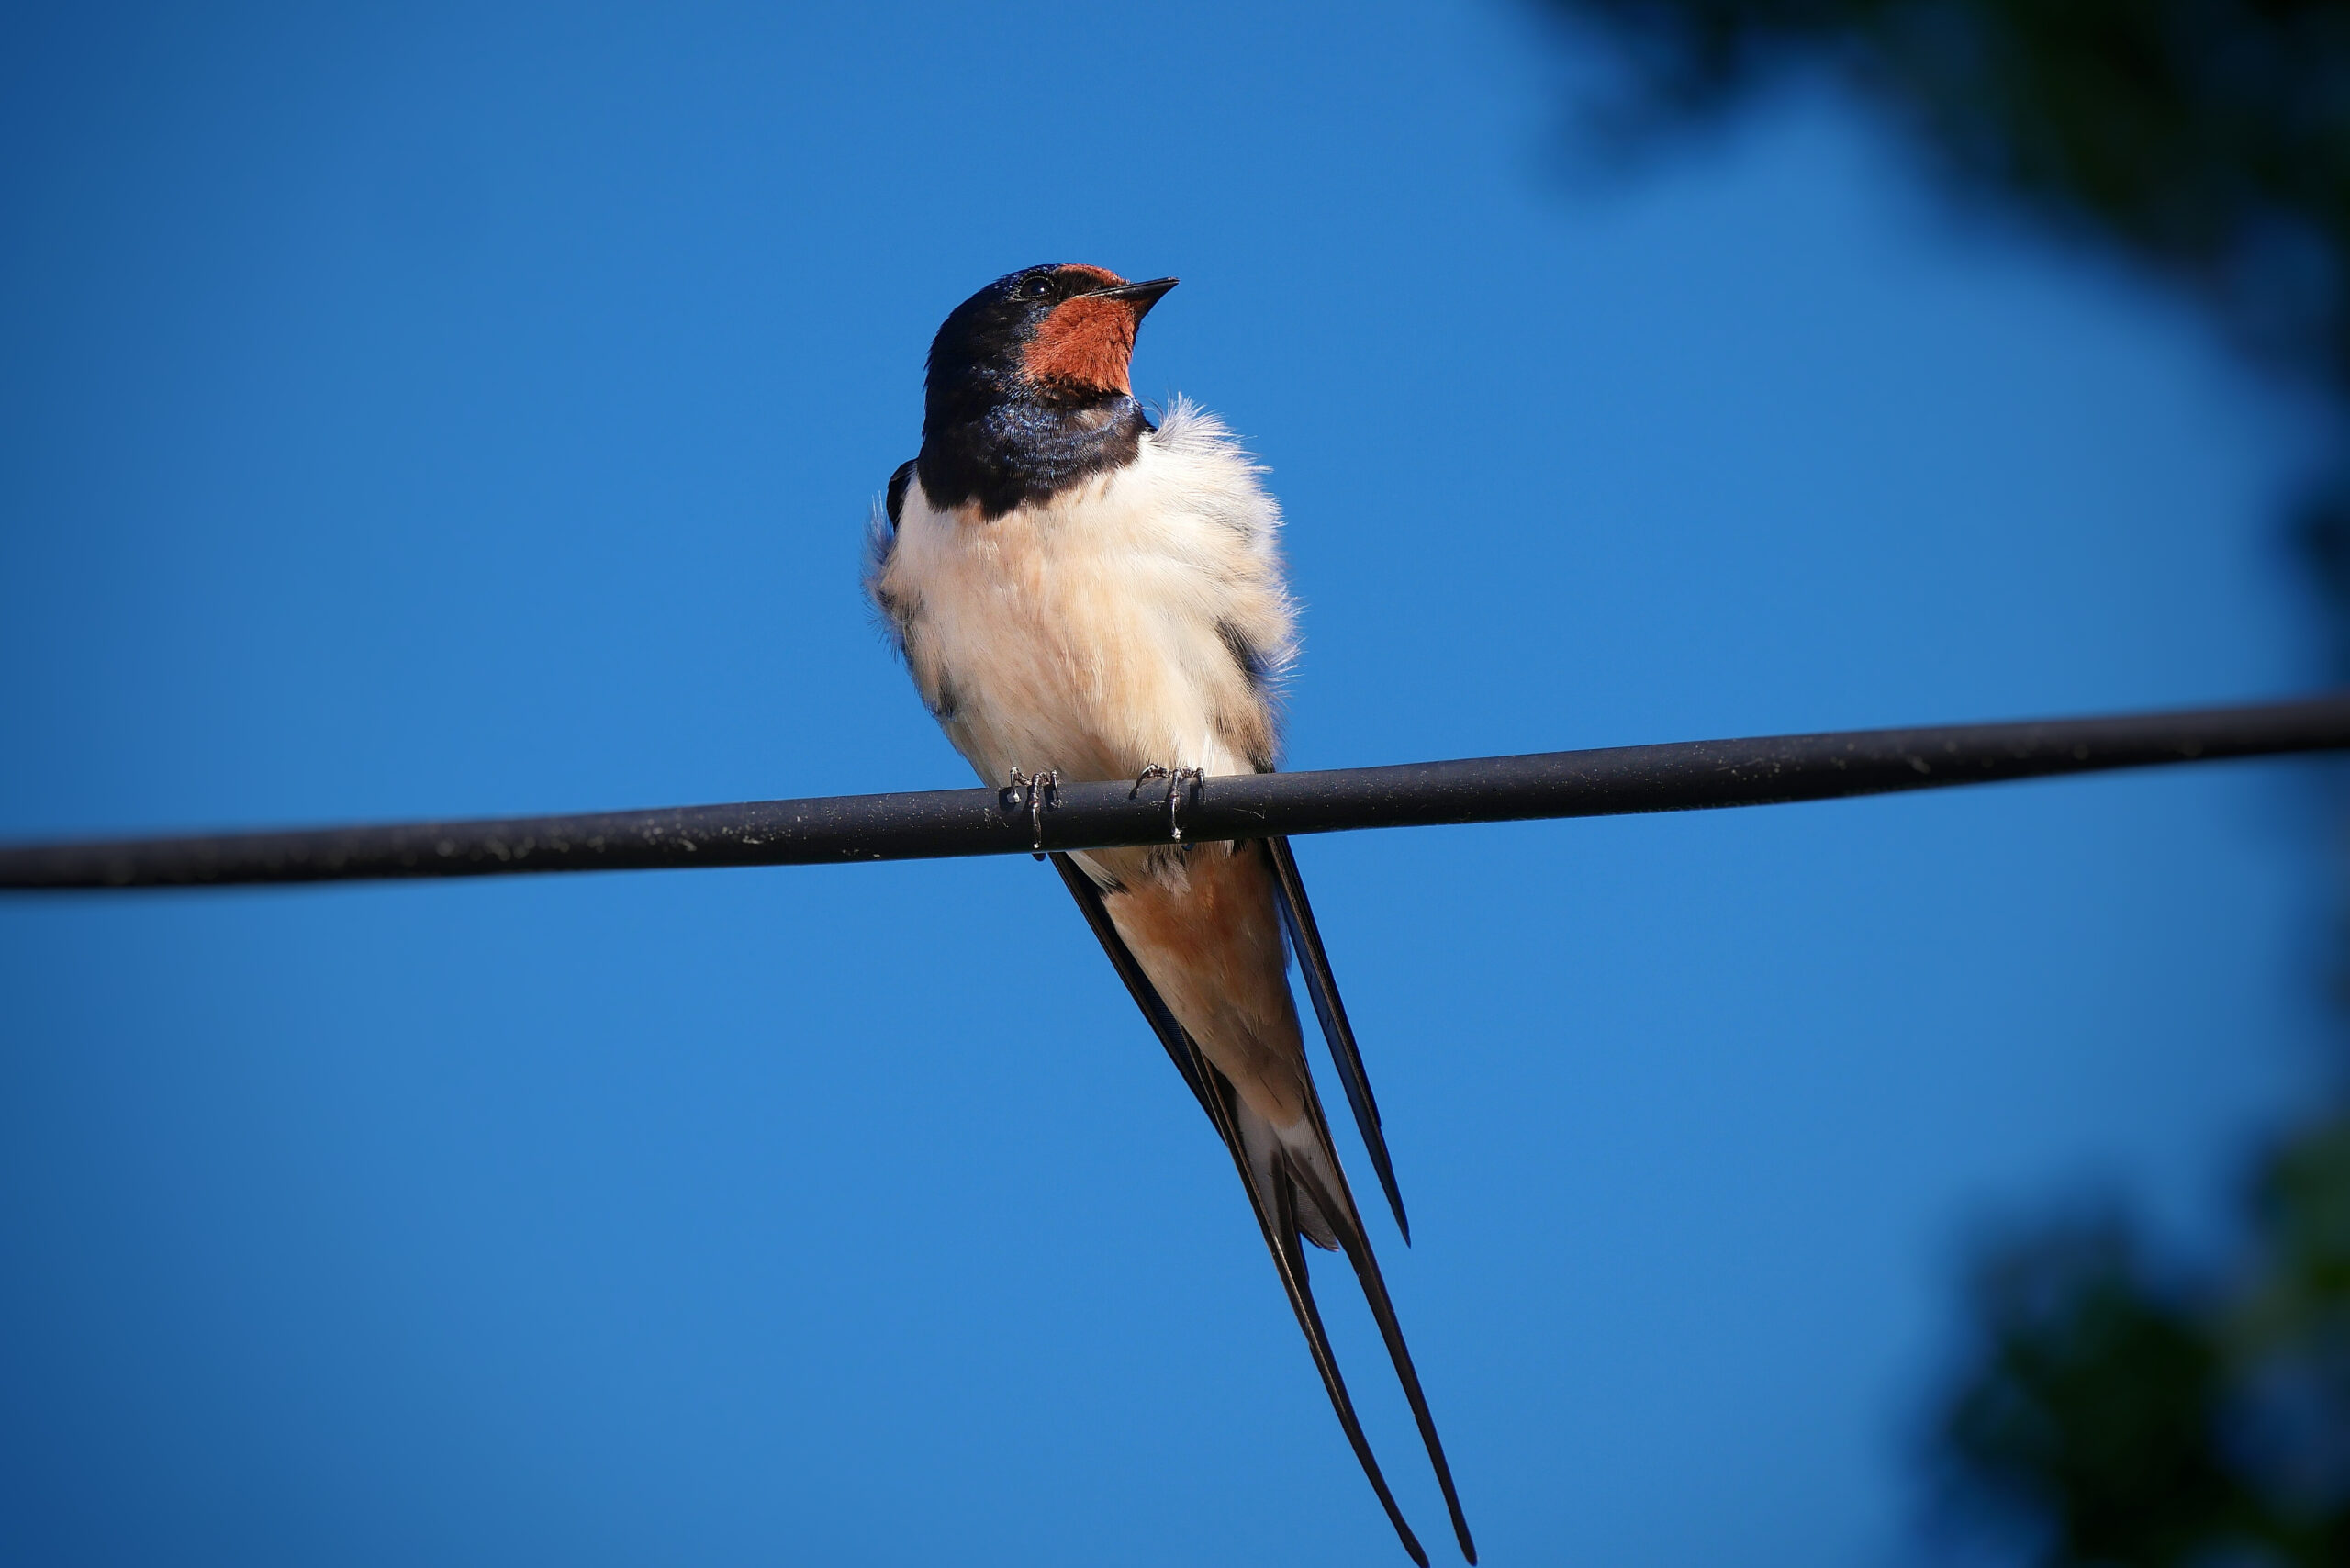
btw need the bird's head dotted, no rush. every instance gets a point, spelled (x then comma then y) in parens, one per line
(1028, 391)
(1061, 336)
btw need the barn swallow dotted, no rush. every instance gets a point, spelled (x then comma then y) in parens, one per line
(1083, 595)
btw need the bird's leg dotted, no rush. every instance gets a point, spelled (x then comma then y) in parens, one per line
(1041, 790)
(1177, 777)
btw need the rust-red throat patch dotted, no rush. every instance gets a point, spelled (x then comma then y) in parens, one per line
(1086, 341)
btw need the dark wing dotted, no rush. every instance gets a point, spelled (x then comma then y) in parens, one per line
(1179, 1049)
(1275, 1206)
(898, 483)
(1305, 941)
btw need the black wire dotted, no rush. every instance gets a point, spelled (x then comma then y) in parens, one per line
(1686, 776)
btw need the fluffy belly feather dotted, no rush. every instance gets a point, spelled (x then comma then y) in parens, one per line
(1126, 622)
(1056, 648)
(1138, 619)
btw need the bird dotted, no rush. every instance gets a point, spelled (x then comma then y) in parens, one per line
(1081, 594)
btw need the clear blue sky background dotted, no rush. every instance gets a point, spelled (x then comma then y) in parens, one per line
(476, 411)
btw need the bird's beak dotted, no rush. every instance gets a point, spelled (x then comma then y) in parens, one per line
(1141, 295)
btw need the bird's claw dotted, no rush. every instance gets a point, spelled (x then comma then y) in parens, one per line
(1176, 779)
(1040, 790)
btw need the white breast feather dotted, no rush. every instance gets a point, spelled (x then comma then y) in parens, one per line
(1093, 633)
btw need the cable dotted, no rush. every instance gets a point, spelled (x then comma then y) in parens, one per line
(1685, 775)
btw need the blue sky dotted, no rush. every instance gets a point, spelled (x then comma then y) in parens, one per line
(476, 411)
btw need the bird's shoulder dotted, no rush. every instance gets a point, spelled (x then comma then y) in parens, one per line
(896, 501)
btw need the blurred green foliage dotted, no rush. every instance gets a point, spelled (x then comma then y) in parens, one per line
(2113, 1412)
(2119, 1416)
(2206, 139)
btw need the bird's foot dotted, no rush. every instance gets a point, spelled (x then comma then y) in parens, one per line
(1177, 777)
(1042, 790)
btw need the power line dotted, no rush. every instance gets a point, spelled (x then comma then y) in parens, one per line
(1685, 775)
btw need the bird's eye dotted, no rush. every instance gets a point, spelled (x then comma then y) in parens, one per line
(1037, 287)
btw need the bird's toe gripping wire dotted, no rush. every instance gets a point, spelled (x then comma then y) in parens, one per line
(1196, 778)
(1039, 791)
